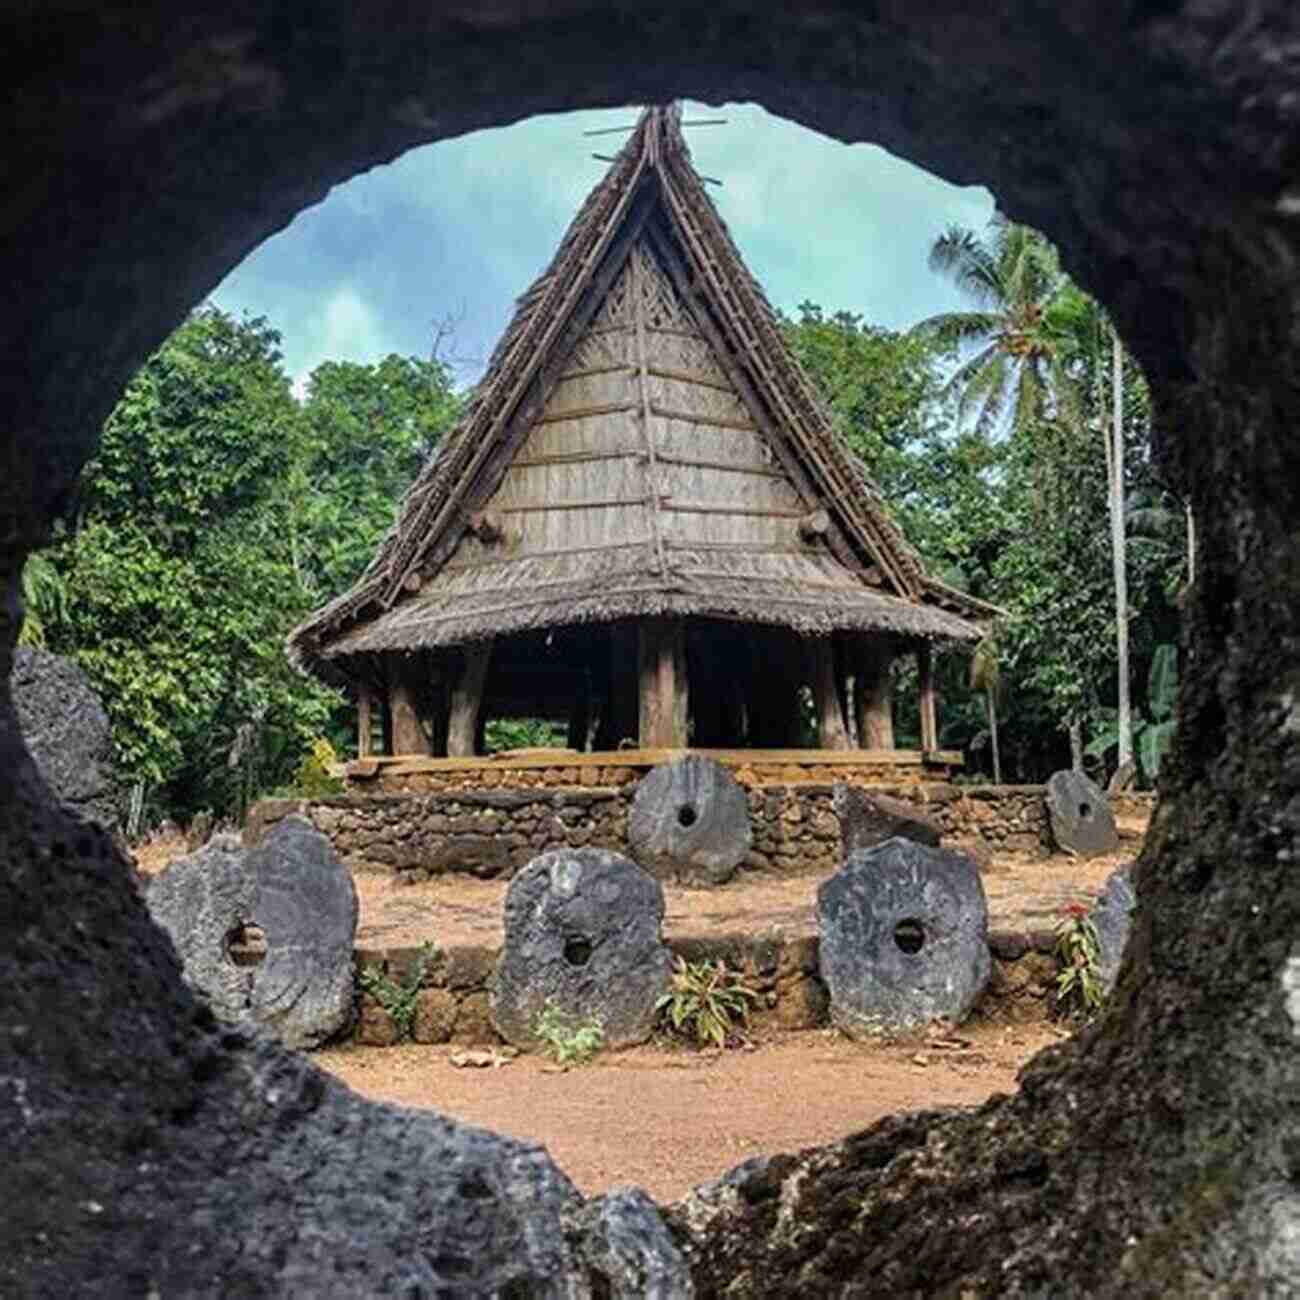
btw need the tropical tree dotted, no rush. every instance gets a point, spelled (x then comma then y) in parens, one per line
(985, 676)
(1009, 362)
(44, 601)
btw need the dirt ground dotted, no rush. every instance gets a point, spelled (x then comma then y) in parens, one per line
(1024, 891)
(667, 1120)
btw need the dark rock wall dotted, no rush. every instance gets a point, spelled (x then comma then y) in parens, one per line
(493, 833)
(153, 145)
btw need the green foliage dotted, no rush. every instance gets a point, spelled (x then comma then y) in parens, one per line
(1007, 349)
(523, 733)
(1078, 952)
(398, 998)
(566, 1040)
(707, 1002)
(368, 430)
(313, 779)
(216, 514)
(45, 601)
(1153, 731)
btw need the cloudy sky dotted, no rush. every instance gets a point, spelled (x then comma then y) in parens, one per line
(453, 232)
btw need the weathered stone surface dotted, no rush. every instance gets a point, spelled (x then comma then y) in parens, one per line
(435, 1016)
(582, 932)
(66, 731)
(628, 1250)
(1153, 1155)
(867, 819)
(689, 822)
(904, 938)
(1112, 915)
(201, 901)
(1082, 821)
(297, 892)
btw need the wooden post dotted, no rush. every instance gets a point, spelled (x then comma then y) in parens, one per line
(662, 659)
(831, 732)
(408, 735)
(873, 698)
(925, 686)
(467, 700)
(365, 726)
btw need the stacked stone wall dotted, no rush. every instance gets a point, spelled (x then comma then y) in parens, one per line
(493, 832)
(452, 1005)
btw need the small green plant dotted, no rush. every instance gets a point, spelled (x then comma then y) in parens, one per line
(313, 778)
(565, 1040)
(706, 1001)
(398, 999)
(1078, 950)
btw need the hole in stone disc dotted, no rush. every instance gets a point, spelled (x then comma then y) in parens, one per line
(909, 935)
(246, 944)
(1085, 810)
(577, 952)
(686, 816)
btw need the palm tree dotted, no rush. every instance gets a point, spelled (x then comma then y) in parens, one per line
(1013, 279)
(986, 676)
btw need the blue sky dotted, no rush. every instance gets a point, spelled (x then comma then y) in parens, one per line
(455, 231)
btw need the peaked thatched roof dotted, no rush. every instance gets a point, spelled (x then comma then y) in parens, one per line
(642, 442)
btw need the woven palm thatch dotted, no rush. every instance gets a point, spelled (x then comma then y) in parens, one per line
(642, 443)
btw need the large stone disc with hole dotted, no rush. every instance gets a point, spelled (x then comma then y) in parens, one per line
(1082, 821)
(690, 822)
(583, 935)
(903, 938)
(306, 904)
(265, 934)
(1112, 915)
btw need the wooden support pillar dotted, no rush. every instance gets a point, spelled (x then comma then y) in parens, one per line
(365, 721)
(925, 688)
(463, 729)
(873, 698)
(664, 698)
(408, 736)
(831, 731)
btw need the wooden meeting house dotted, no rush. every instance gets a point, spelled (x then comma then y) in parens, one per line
(644, 525)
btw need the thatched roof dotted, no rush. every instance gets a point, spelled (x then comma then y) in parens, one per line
(642, 442)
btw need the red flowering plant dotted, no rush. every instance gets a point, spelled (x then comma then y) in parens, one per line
(1078, 950)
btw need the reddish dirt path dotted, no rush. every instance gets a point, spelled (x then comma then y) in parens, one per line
(669, 1120)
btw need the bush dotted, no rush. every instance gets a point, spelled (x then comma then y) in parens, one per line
(706, 1002)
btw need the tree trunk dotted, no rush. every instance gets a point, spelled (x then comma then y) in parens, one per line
(992, 705)
(831, 731)
(1075, 732)
(1118, 548)
(467, 700)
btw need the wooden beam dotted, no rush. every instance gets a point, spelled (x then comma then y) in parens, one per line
(466, 701)
(873, 696)
(831, 731)
(929, 709)
(408, 734)
(365, 724)
(662, 660)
